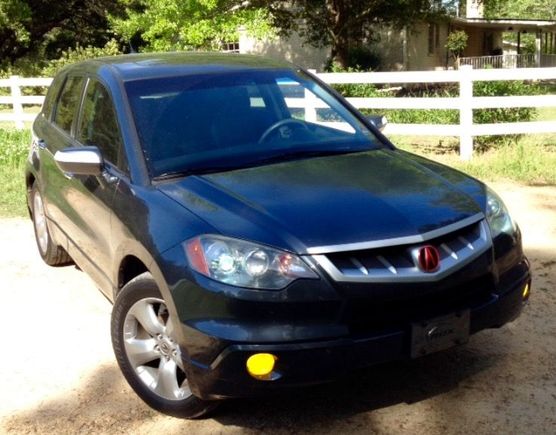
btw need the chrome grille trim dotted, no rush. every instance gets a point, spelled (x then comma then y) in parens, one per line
(455, 254)
(358, 264)
(417, 238)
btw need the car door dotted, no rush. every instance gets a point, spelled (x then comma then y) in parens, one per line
(53, 134)
(93, 196)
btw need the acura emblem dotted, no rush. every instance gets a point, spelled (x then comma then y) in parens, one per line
(428, 258)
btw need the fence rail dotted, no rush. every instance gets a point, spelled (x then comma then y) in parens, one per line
(17, 100)
(465, 103)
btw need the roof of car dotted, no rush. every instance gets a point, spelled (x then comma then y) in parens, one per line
(154, 65)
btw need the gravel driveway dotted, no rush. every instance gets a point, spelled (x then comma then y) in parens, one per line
(59, 374)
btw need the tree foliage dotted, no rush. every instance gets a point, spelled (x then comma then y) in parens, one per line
(456, 42)
(164, 25)
(528, 9)
(79, 53)
(43, 29)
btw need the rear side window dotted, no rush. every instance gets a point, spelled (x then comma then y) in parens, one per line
(66, 108)
(51, 95)
(98, 123)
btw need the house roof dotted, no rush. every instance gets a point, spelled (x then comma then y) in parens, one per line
(507, 24)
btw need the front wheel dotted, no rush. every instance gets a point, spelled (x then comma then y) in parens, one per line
(148, 355)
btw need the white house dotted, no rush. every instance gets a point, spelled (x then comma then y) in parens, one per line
(422, 46)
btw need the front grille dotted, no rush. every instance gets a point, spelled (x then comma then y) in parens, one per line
(398, 263)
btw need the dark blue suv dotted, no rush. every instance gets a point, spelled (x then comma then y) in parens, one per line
(255, 231)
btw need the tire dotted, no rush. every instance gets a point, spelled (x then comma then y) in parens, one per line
(51, 253)
(147, 355)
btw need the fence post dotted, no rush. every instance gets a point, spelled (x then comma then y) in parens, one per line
(465, 112)
(16, 102)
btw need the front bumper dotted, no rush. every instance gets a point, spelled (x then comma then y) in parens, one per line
(308, 362)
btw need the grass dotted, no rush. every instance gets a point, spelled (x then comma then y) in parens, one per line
(14, 145)
(524, 162)
(530, 159)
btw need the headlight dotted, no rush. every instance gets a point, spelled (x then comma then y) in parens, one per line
(244, 264)
(497, 215)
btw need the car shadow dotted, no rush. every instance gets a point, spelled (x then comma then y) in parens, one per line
(365, 390)
(104, 403)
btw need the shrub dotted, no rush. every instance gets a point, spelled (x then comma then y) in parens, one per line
(79, 53)
(364, 59)
(355, 89)
(502, 115)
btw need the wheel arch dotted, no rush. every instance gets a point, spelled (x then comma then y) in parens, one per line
(134, 261)
(130, 267)
(30, 180)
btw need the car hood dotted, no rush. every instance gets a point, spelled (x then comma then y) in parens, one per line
(326, 201)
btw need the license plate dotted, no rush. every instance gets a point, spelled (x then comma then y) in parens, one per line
(440, 333)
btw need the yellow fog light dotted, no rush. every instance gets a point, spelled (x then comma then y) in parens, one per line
(260, 365)
(526, 291)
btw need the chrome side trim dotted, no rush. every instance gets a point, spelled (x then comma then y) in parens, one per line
(407, 240)
(412, 274)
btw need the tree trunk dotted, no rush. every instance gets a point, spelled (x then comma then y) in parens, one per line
(340, 51)
(338, 16)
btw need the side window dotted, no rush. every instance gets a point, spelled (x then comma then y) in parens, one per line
(98, 123)
(51, 95)
(66, 108)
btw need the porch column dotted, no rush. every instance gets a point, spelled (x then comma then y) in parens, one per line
(519, 42)
(538, 48)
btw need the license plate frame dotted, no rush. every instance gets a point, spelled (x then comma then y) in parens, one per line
(440, 333)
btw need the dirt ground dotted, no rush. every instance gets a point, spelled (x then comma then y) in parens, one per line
(59, 374)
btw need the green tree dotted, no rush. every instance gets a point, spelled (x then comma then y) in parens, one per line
(338, 23)
(164, 25)
(456, 43)
(528, 9)
(43, 29)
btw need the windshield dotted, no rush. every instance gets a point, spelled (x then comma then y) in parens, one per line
(212, 122)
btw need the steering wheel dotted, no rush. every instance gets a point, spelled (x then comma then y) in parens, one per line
(296, 123)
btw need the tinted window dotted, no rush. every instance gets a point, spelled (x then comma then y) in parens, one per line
(98, 123)
(51, 95)
(68, 102)
(215, 122)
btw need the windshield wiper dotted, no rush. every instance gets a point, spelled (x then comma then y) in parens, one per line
(278, 156)
(306, 153)
(194, 171)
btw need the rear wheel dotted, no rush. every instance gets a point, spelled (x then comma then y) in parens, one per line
(51, 253)
(147, 353)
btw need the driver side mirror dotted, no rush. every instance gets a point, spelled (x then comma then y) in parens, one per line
(379, 121)
(80, 160)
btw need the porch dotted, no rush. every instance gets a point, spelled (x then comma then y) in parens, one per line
(509, 61)
(487, 48)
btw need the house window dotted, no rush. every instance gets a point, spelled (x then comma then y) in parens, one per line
(434, 38)
(230, 47)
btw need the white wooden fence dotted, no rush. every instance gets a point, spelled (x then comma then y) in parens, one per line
(17, 100)
(465, 102)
